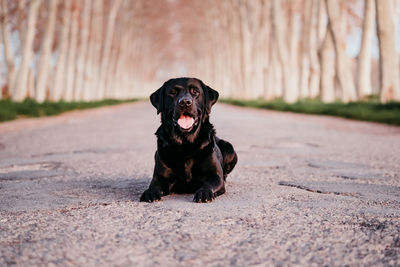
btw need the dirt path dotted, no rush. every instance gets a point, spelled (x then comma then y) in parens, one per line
(307, 189)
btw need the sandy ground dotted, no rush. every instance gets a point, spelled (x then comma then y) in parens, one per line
(307, 190)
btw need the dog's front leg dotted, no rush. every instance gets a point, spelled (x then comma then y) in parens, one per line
(153, 193)
(213, 187)
(214, 184)
(160, 184)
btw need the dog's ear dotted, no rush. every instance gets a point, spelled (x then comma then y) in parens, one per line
(211, 96)
(157, 98)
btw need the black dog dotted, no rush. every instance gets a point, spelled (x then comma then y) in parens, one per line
(189, 157)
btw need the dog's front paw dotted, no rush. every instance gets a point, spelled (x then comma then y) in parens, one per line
(204, 195)
(151, 194)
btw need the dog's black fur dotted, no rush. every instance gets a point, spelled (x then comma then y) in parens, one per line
(190, 160)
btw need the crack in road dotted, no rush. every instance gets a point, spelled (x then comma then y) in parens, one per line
(309, 189)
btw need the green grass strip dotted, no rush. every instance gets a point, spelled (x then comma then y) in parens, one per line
(366, 111)
(10, 110)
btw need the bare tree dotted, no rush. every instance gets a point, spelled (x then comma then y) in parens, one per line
(327, 59)
(59, 78)
(94, 53)
(45, 53)
(20, 91)
(305, 49)
(316, 38)
(106, 53)
(275, 76)
(8, 51)
(289, 70)
(68, 92)
(337, 27)
(388, 60)
(364, 57)
(81, 60)
(21, 4)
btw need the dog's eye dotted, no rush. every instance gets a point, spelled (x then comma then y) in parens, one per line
(194, 91)
(172, 92)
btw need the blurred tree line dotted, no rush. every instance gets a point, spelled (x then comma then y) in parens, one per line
(292, 49)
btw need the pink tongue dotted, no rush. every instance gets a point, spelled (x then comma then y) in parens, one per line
(185, 122)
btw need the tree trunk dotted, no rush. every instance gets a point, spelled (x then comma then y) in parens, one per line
(119, 69)
(269, 84)
(71, 58)
(290, 92)
(20, 20)
(275, 78)
(243, 48)
(237, 64)
(364, 58)
(21, 84)
(8, 52)
(82, 51)
(59, 79)
(116, 54)
(336, 16)
(305, 49)
(106, 54)
(31, 84)
(45, 53)
(260, 48)
(292, 39)
(315, 43)
(388, 58)
(327, 59)
(322, 24)
(94, 52)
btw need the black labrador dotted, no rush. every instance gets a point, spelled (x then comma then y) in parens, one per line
(190, 158)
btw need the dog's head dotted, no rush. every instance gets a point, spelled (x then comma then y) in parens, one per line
(184, 104)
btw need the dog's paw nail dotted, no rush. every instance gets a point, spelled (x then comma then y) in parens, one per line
(204, 196)
(151, 195)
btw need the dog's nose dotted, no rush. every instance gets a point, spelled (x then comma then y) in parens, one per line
(185, 101)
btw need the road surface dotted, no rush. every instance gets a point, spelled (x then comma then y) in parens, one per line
(307, 190)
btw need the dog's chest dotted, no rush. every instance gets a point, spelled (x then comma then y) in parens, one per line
(186, 163)
(187, 169)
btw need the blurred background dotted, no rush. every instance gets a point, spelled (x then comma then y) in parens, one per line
(87, 50)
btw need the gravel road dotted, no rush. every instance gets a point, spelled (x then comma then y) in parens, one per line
(307, 190)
